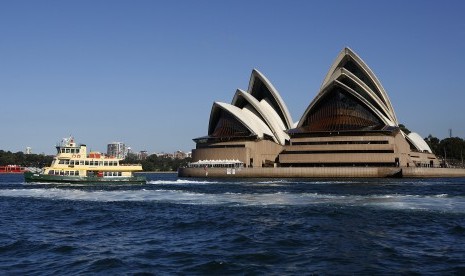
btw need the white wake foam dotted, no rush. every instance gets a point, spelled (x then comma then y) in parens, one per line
(440, 202)
(179, 181)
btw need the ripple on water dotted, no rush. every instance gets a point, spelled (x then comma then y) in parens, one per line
(234, 227)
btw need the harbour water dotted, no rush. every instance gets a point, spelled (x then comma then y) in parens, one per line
(234, 226)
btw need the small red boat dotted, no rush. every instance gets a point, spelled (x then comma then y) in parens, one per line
(12, 169)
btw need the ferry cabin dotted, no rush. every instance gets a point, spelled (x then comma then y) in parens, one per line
(73, 160)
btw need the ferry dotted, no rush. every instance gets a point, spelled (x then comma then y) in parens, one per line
(12, 169)
(72, 164)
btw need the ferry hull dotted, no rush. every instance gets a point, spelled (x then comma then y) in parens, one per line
(37, 177)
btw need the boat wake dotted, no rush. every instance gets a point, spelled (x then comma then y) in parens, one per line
(439, 202)
(179, 182)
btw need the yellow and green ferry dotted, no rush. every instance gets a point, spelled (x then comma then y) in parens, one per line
(72, 164)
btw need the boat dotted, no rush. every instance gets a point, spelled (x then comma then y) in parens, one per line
(72, 164)
(12, 169)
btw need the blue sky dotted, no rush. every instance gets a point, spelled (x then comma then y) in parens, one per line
(147, 72)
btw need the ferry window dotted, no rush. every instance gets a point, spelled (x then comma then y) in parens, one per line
(110, 163)
(87, 163)
(61, 162)
(62, 150)
(100, 163)
(51, 172)
(72, 150)
(81, 162)
(105, 163)
(66, 172)
(76, 173)
(71, 173)
(67, 150)
(62, 173)
(77, 150)
(119, 173)
(115, 163)
(66, 162)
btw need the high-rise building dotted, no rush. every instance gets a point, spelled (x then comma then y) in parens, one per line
(28, 150)
(117, 149)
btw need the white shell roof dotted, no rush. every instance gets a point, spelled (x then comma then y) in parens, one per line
(247, 118)
(348, 53)
(276, 97)
(269, 115)
(267, 112)
(418, 142)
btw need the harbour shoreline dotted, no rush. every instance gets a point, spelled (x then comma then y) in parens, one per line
(323, 172)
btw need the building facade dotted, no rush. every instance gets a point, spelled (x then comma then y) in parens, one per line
(117, 149)
(350, 123)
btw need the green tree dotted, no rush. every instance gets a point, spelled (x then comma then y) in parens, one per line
(404, 129)
(433, 143)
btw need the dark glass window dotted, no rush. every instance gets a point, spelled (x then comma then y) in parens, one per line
(339, 111)
(229, 126)
(362, 92)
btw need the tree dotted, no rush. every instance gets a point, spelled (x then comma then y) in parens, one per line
(433, 143)
(158, 163)
(24, 160)
(404, 129)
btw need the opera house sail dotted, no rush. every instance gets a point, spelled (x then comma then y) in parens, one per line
(349, 129)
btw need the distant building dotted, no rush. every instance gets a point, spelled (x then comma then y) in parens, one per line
(165, 155)
(117, 149)
(28, 150)
(142, 155)
(179, 155)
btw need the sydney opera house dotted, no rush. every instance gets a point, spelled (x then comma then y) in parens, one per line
(350, 129)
